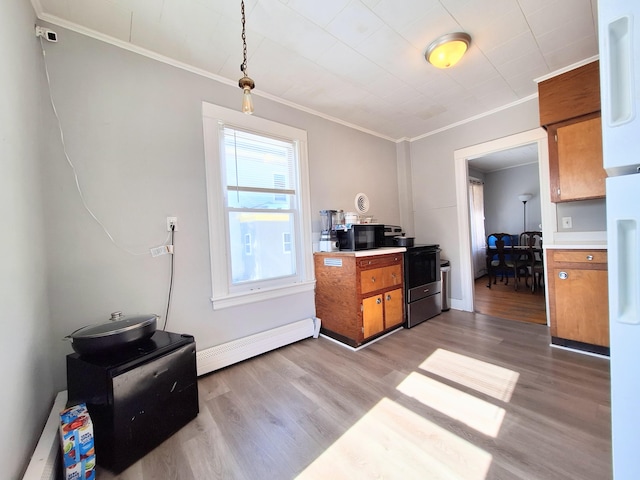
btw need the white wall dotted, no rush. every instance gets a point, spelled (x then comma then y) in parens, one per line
(434, 190)
(502, 210)
(133, 127)
(25, 347)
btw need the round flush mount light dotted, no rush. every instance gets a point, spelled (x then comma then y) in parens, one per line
(447, 50)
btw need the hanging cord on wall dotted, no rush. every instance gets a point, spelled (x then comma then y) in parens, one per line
(73, 168)
(173, 254)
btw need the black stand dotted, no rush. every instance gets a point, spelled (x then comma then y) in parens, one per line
(137, 396)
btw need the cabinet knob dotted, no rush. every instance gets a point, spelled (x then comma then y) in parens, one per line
(378, 300)
(589, 257)
(388, 297)
(373, 279)
(563, 275)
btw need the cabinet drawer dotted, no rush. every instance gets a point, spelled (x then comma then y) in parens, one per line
(371, 280)
(579, 256)
(392, 276)
(379, 260)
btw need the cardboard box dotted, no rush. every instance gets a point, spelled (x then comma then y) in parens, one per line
(76, 440)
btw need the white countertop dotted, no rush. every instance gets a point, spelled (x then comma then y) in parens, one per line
(577, 240)
(594, 245)
(368, 253)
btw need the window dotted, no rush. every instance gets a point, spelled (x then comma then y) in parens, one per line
(247, 244)
(259, 222)
(279, 182)
(286, 242)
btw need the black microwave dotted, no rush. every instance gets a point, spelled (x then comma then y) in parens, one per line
(361, 236)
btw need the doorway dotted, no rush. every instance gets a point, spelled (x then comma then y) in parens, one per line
(504, 177)
(462, 157)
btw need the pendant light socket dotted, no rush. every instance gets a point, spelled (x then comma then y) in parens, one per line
(245, 82)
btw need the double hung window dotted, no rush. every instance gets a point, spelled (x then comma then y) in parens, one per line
(258, 207)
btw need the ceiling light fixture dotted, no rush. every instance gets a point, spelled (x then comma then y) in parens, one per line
(447, 50)
(245, 83)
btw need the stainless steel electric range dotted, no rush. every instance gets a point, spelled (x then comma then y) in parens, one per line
(422, 284)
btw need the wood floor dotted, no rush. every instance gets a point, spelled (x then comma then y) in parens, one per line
(462, 396)
(503, 301)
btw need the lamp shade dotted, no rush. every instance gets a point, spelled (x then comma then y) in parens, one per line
(525, 197)
(447, 50)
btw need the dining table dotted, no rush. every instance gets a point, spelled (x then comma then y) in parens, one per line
(516, 251)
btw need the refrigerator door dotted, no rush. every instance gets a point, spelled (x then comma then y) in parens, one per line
(623, 236)
(619, 37)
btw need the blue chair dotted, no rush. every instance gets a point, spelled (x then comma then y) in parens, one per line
(498, 261)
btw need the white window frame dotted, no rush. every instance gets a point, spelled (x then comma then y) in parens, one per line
(223, 294)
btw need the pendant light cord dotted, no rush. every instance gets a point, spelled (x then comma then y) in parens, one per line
(243, 66)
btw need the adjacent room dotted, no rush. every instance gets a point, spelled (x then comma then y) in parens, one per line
(243, 235)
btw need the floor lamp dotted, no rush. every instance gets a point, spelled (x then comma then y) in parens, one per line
(524, 198)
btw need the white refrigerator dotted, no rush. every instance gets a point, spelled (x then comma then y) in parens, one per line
(619, 38)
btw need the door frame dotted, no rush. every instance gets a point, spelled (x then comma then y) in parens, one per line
(548, 211)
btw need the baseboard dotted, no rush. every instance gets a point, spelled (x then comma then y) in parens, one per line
(235, 351)
(45, 461)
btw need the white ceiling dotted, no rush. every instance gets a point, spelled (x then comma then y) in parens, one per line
(501, 160)
(359, 61)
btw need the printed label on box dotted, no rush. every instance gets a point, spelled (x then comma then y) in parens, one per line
(76, 436)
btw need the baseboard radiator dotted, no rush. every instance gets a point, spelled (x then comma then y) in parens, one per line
(235, 351)
(46, 458)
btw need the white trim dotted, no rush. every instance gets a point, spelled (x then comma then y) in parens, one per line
(235, 300)
(198, 71)
(190, 68)
(477, 117)
(222, 296)
(235, 351)
(46, 459)
(548, 211)
(566, 69)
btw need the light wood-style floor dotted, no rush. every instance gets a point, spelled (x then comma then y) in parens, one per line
(462, 396)
(503, 301)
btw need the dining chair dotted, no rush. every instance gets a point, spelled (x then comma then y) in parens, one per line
(534, 257)
(498, 260)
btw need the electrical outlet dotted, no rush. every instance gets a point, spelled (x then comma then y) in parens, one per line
(172, 221)
(566, 222)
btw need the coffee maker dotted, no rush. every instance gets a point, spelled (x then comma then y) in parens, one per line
(328, 236)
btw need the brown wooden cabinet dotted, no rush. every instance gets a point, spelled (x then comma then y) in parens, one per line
(570, 111)
(358, 298)
(575, 159)
(578, 299)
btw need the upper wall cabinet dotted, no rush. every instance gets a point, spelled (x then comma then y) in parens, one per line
(570, 111)
(570, 95)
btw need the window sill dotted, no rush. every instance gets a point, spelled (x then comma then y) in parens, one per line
(234, 300)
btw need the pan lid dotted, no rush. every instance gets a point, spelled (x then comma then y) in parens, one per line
(118, 324)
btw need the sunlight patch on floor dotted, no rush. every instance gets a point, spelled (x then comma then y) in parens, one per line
(480, 415)
(391, 441)
(492, 380)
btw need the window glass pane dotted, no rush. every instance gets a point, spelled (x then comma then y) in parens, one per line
(258, 200)
(264, 258)
(254, 161)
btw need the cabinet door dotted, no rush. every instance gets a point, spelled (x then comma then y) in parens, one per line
(392, 276)
(371, 280)
(372, 315)
(393, 303)
(581, 306)
(576, 164)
